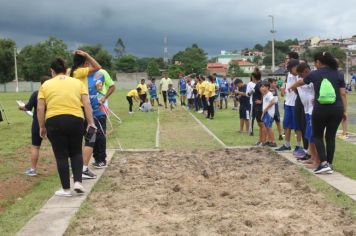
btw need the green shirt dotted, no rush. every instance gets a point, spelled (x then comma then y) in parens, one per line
(165, 82)
(107, 81)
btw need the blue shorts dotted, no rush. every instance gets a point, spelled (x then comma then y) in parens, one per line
(308, 129)
(244, 112)
(267, 120)
(223, 95)
(183, 92)
(153, 96)
(289, 117)
(172, 101)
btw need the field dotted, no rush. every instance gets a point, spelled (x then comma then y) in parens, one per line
(192, 186)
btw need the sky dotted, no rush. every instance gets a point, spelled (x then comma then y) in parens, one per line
(214, 25)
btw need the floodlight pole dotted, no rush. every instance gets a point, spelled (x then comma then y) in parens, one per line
(16, 76)
(273, 37)
(347, 66)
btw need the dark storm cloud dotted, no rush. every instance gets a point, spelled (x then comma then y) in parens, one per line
(213, 24)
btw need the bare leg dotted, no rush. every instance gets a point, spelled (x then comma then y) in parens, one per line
(87, 152)
(287, 133)
(35, 152)
(262, 132)
(242, 122)
(299, 136)
(270, 135)
(247, 124)
(279, 128)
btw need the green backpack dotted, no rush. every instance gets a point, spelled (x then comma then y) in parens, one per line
(327, 93)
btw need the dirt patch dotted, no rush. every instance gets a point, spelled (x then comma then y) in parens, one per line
(215, 193)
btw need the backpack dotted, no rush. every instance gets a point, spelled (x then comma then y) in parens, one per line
(327, 93)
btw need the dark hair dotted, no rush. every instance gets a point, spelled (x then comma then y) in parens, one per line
(138, 89)
(302, 67)
(143, 80)
(293, 55)
(211, 78)
(327, 59)
(265, 83)
(202, 78)
(237, 81)
(271, 80)
(153, 78)
(256, 74)
(78, 60)
(44, 78)
(58, 66)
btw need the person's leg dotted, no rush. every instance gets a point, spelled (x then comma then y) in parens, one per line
(101, 140)
(330, 133)
(75, 148)
(212, 111)
(208, 109)
(35, 152)
(129, 99)
(319, 123)
(164, 94)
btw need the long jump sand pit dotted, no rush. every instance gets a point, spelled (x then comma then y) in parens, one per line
(232, 192)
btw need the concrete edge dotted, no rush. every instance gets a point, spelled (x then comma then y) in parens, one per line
(158, 130)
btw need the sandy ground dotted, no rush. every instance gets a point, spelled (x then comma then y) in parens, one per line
(216, 193)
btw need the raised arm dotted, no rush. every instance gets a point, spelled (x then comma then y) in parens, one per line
(93, 64)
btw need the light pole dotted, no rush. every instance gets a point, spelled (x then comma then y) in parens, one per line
(273, 36)
(16, 77)
(347, 66)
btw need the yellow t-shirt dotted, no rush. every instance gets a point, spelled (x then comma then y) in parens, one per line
(143, 88)
(165, 82)
(133, 93)
(202, 88)
(206, 90)
(82, 75)
(211, 90)
(63, 96)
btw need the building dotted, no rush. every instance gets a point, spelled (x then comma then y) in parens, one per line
(246, 66)
(297, 48)
(218, 68)
(226, 57)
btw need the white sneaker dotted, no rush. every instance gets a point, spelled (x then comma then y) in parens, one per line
(63, 193)
(78, 188)
(131, 112)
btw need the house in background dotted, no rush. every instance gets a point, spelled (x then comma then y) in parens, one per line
(246, 66)
(218, 68)
(226, 57)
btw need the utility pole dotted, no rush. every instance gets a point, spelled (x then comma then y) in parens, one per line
(273, 37)
(347, 67)
(165, 50)
(16, 77)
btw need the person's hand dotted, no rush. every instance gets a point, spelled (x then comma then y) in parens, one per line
(22, 108)
(102, 100)
(81, 53)
(43, 132)
(258, 102)
(344, 116)
(92, 125)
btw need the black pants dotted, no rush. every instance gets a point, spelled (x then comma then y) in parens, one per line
(204, 102)
(211, 107)
(328, 120)
(129, 99)
(142, 99)
(65, 132)
(300, 119)
(164, 94)
(99, 151)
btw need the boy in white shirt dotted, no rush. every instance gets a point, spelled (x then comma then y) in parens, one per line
(268, 106)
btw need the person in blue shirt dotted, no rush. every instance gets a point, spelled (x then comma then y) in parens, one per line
(182, 87)
(224, 92)
(217, 82)
(172, 96)
(244, 105)
(152, 90)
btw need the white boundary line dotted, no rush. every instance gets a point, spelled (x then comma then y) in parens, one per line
(206, 129)
(158, 130)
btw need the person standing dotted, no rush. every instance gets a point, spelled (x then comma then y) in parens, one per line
(61, 118)
(182, 88)
(330, 107)
(224, 92)
(35, 130)
(210, 95)
(143, 93)
(163, 88)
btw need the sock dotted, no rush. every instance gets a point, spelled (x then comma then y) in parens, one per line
(287, 144)
(85, 168)
(299, 144)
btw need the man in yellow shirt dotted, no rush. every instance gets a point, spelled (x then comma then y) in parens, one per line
(210, 93)
(133, 94)
(163, 87)
(143, 93)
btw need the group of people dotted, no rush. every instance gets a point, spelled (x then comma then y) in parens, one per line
(72, 106)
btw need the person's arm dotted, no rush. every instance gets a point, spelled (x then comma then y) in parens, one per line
(41, 107)
(88, 110)
(94, 65)
(296, 84)
(30, 104)
(271, 104)
(344, 101)
(108, 94)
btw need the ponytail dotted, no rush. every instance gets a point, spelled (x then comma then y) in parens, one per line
(256, 74)
(327, 59)
(78, 60)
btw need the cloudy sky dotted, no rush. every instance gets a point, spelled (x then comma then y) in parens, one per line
(212, 24)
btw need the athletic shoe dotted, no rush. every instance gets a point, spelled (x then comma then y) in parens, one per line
(78, 188)
(131, 112)
(305, 158)
(99, 165)
(265, 144)
(343, 136)
(30, 172)
(87, 174)
(299, 152)
(63, 193)
(258, 144)
(273, 145)
(251, 134)
(280, 138)
(283, 148)
(323, 169)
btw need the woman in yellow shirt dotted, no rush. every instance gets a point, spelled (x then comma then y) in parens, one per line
(61, 118)
(143, 93)
(202, 88)
(133, 94)
(210, 93)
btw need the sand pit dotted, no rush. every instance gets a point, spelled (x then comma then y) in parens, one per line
(216, 193)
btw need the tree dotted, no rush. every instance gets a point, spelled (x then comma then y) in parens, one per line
(257, 60)
(193, 59)
(258, 47)
(35, 60)
(174, 71)
(7, 60)
(336, 51)
(101, 55)
(152, 68)
(127, 64)
(119, 48)
(235, 70)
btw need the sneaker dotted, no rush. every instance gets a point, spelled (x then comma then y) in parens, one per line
(280, 138)
(323, 169)
(63, 193)
(265, 144)
(251, 133)
(258, 144)
(99, 165)
(273, 145)
(87, 174)
(305, 158)
(131, 112)
(78, 188)
(283, 148)
(30, 172)
(299, 152)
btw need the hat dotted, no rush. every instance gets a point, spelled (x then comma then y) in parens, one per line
(292, 63)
